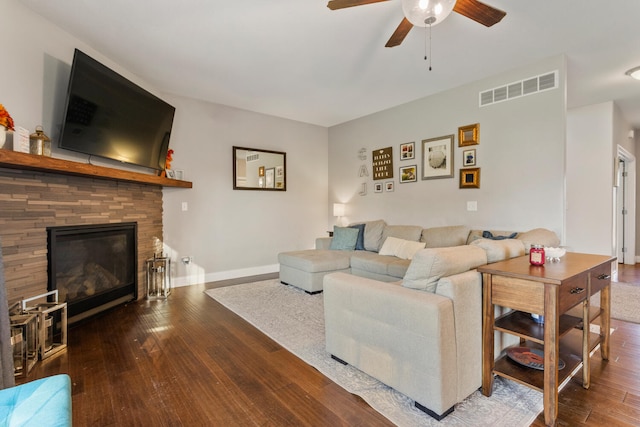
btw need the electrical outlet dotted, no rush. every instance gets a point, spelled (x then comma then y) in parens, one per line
(185, 206)
(472, 206)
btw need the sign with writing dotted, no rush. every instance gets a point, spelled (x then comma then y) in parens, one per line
(382, 163)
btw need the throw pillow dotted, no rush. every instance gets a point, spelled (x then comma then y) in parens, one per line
(344, 239)
(403, 249)
(360, 240)
(446, 236)
(489, 235)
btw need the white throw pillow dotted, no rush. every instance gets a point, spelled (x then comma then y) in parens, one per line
(391, 246)
(404, 249)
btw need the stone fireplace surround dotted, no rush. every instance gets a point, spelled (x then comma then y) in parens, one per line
(32, 201)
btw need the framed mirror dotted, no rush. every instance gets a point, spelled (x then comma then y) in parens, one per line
(255, 169)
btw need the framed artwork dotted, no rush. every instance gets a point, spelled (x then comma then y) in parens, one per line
(407, 151)
(470, 178)
(388, 185)
(469, 157)
(269, 176)
(382, 163)
(469, 135)
(437, 157)
(377, 187)
(408, 174)
(171, 173)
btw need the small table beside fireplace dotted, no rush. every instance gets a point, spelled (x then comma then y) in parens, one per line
(550, 290)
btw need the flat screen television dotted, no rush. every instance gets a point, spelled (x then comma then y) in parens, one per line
(108, 116)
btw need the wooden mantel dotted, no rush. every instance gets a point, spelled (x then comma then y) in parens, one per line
(16, 160)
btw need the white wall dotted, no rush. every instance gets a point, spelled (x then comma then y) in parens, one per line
(233, 233)
(521, 156)
(590, 162)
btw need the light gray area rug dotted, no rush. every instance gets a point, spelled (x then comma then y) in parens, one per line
(625, 302)
(295, 320)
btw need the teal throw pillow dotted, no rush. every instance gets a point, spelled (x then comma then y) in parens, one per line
(360, 241)
(344, 239)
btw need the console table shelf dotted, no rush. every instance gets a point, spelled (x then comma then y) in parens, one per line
(16, 160)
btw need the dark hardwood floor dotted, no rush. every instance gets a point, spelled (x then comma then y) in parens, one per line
(188, 361)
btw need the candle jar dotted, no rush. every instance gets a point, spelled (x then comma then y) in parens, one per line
(536, 255)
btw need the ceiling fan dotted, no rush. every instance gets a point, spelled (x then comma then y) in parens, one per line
(473, 9)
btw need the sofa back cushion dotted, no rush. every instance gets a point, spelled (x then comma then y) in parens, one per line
(539, 236)
(442, 237)
(499, 250)
(430, 264)
(373, 234)
(404, 232)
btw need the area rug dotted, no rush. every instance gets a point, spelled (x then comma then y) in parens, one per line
(625, 301)
(295, 320)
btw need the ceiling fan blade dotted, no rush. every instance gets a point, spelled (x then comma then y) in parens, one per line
(341, 4)
(479, 12)
(400, 33)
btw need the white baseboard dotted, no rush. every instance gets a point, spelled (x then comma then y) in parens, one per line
(224, 275)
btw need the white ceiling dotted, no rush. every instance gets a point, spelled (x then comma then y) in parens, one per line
(299, 60)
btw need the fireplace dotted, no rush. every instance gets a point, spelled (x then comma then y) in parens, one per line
(93, 267)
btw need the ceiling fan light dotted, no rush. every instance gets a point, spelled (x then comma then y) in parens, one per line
(634, 73)
(427, 12)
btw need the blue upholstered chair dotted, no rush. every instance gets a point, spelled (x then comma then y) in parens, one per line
(40, 403)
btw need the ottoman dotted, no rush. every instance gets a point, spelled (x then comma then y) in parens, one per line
(306, 269)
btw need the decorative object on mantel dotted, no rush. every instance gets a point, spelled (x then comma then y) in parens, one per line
(167, 165)
(21, 140)
(6, 124)
(40, 143)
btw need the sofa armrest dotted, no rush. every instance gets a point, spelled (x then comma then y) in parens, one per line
(401, 336)
(323, 242)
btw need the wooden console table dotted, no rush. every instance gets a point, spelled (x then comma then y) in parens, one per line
(550, 290)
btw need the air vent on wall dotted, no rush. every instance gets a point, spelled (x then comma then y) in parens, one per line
(253, 157)
(520, 88)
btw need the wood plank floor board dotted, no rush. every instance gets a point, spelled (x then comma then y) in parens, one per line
(188, 361)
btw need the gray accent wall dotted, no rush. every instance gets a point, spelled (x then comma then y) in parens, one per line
(521, 155)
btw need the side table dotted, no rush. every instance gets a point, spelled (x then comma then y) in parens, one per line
(549, 290)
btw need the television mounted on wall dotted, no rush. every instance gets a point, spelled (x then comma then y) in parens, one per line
(108, 116)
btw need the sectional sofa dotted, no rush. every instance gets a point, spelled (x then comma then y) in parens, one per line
(409, 312)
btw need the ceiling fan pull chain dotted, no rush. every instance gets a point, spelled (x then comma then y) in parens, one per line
(425, 42)
(430, 47)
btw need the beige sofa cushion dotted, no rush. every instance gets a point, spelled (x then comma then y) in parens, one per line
(441, 237)
(498, 250)
(404, 249)
(539, 236)
(373, 234)
(404, 232)
(429, 265)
